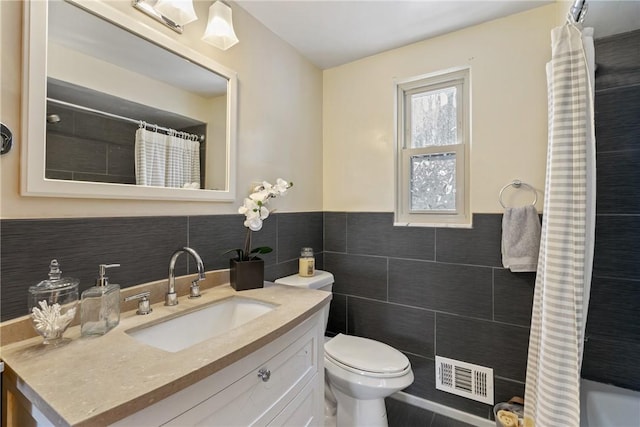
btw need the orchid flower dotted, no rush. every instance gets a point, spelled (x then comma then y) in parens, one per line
(255, 212)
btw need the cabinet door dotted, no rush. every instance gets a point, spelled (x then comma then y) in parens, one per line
(303, 410)
(265, 391)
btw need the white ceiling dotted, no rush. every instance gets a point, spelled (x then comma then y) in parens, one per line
(335, 32)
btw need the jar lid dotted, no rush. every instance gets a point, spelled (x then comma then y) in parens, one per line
(55, 280)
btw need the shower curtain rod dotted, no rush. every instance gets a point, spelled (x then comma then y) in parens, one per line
(200, 138)
(578, 10)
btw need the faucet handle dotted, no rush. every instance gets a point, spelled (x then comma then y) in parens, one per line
(195, 289)
(144, 306)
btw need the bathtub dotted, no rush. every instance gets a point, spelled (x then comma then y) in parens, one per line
(603, 405)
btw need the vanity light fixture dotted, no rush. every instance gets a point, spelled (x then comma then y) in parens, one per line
(148, 7)
(175, 14)
(219, 30)
(179, 11)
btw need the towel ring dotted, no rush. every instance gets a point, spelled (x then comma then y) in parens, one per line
(516, 183)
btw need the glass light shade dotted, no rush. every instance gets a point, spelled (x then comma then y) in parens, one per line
(179, 11)
(219, 30)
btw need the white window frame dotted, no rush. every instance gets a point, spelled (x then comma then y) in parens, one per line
(461, 217)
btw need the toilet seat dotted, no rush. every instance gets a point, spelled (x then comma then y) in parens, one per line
(366, 357)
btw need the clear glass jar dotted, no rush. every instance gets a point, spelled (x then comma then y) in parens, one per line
(53, 304)
(307, 263)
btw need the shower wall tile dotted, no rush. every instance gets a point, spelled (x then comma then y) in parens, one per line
(335, 231)
(613, 309)
(460, 289)
(612, 362)
(617, 253)
(479, 245)
(618, 60)
(357, 275)
(499, 346)
(92, 148)
(121, 160)
(99, 128)
(118, 179)
(54, 174)
(405, 328)
(299, 230)
(617, 128)
(76, 155)
(513, 296)
(374, 234)
(613, 334)
(618, 180)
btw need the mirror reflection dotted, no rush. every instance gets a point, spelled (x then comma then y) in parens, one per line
(123, 110)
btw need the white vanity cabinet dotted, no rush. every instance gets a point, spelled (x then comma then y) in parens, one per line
(279, 384)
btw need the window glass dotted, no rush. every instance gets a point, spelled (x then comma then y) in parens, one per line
(432, 158)
(433, 182)
(434, 118)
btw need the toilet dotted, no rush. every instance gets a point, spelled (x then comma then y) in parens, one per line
(359, 372)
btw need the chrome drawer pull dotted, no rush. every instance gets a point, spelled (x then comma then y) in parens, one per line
(265, 374)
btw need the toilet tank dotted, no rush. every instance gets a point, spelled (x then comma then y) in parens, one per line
(321, 280)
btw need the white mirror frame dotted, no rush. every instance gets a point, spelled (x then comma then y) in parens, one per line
(33, 156)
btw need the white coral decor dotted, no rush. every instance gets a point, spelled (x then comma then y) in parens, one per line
(49, 321)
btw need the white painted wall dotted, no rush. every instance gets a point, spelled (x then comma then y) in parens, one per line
(279, 125)
(509, 112)
(332, 133)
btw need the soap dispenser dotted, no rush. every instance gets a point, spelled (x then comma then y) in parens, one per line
(100, 305)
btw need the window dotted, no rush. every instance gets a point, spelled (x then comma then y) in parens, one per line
(432, 159)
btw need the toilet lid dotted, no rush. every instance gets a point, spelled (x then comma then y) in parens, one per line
(366, 355)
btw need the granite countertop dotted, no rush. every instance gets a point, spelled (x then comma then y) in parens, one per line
(99, 380)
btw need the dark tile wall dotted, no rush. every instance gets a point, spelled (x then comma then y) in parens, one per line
(428, 291)
(613, 330)
(142, 245)
(86, 147)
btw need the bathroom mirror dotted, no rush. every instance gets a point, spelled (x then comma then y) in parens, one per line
(98, 83)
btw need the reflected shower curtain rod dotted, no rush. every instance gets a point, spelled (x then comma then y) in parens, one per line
(579, 10)
(200, 138)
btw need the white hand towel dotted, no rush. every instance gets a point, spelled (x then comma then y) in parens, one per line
(520, 238)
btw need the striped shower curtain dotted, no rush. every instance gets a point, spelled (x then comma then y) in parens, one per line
(561, 298)
(166, 160)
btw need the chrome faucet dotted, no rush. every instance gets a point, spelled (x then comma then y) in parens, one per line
(172, 298)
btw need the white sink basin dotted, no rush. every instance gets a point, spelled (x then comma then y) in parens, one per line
(193, 327)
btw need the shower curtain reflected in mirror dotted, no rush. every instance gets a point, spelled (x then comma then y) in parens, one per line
(563, 279)
(167, 160)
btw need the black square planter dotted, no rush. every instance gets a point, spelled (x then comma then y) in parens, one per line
(246, 274)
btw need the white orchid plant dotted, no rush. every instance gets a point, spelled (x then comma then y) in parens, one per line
(255, 211)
